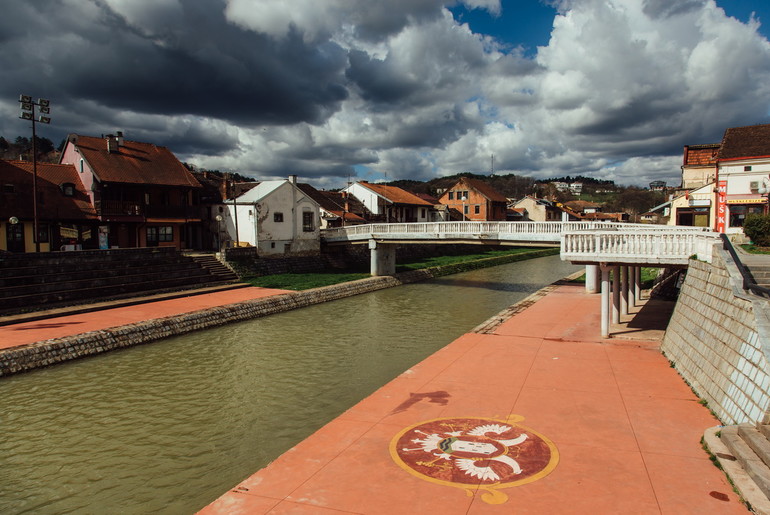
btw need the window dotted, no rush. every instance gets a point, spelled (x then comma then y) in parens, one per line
(423, 212)
(747, 168)
(42, 233)
(8, 188)
(307, 221)
(81, 166)
(68, 189)
(157, 235)
(451, 195)
(477, 209)
(738, 214)
(277, 217)
(465, 209)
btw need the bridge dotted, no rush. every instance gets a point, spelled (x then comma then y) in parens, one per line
(612, 252)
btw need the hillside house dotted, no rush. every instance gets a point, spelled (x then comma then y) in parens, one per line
(142, 194)
(475, 200)
(699, 165)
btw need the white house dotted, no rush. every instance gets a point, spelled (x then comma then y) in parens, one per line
(276, 217)
(743, 176)
(391, 203)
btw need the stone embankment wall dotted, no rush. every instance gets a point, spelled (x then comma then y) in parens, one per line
(718, 341)
(49, 352)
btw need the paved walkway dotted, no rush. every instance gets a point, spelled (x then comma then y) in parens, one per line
(22, 333)
(539, 416)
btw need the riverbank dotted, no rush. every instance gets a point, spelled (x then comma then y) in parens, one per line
(28, 346)
(532, 412)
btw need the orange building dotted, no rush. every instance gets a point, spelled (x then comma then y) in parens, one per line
(473, 199)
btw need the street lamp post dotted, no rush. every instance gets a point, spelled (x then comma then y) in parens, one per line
(28, 113)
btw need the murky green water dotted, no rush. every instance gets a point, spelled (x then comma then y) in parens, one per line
(168, 427)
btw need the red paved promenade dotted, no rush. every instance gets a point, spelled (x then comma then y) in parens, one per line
(30, 332)
(540, 416)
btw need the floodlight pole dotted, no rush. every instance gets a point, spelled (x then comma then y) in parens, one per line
(28, 113)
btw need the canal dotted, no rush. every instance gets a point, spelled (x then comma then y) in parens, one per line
(170, 426)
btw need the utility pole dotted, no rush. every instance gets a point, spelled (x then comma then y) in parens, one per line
(28, 113)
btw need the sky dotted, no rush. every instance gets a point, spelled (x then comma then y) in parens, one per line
(380, 90)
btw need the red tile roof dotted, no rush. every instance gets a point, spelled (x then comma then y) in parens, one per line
(396, 194)
(54, 204)
(484, 188)
(745, 142)
(701, 155)
(134, 163)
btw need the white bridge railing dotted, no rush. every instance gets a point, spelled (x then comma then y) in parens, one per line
(580, 241)
(525, 231)
(651, 247)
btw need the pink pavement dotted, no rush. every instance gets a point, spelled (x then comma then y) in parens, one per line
(623, 431)
(30, 332)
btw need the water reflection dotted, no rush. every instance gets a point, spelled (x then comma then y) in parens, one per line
(168, 427)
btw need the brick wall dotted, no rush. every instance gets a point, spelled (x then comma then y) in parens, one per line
(716, 339)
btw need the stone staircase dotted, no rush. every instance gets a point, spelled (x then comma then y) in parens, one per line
(760, 273)
(215, 267)
(32, 282)
(743, 452)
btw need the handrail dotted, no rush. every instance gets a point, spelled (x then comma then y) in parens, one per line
(748, 280)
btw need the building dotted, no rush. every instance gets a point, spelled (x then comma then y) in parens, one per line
(142, 194)
(694, 208)
(337, 208)
(66, 218)
(276, 217)
(475, 200)
(542, 210)
(391, 204)
(743, 176)
(658, 185)
(699, 165)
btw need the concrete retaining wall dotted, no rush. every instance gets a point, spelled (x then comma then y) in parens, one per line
(717, 339)
(49, 352)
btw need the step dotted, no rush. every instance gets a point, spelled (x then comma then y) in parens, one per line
(751, 463)
(757, 441)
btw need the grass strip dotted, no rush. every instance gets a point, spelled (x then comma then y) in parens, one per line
(448, 264)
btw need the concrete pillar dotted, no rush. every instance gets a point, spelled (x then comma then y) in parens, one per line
(631, 281)
(615, 294)
(382, 258)
(638, 285)
(605, 309)
(592, 278)
(623, 290)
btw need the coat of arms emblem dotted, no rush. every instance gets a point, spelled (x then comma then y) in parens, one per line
(473, 453)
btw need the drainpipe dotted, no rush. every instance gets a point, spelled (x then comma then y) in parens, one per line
(293, 183)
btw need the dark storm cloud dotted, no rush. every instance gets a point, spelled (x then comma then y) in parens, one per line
(377, 20)
(664, 8)
(198, 63)
(378, 82)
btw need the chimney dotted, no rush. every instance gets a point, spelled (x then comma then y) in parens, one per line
(112, 143)
(293, 179)
(120, 138)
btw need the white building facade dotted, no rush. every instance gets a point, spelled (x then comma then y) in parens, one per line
(276, 217)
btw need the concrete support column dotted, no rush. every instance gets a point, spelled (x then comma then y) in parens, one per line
(624, 290)
(605, 309)
(382, 258)
(638, 285)
(631, 281)
(615, 294)
(592, 278)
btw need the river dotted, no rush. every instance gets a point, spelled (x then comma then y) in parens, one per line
(168, 427)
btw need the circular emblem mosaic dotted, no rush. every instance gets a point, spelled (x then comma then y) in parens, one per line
(475, 453)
